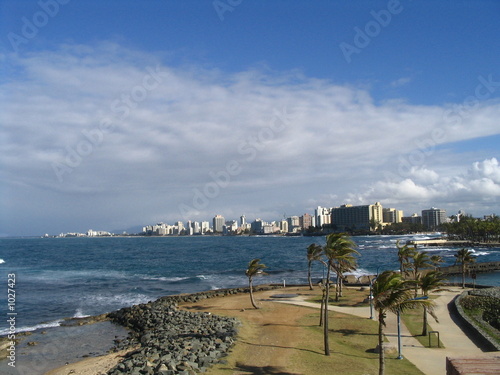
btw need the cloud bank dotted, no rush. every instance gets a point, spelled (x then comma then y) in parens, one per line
(123, 137)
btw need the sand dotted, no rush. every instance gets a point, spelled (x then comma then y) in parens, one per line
(90, 366)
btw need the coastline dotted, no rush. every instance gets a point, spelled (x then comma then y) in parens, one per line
(226, 302)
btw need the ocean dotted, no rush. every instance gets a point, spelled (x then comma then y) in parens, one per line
(56, 278)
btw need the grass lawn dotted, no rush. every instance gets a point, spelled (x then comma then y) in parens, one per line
(414, 320)
(352, 296)
(352, 341)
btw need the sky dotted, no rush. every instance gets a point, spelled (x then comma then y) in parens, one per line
(119, 114)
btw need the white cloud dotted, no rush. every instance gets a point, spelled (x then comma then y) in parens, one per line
(478, 184)
(401, 82)
(167, 141)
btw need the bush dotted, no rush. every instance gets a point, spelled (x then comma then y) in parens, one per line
(489, 308)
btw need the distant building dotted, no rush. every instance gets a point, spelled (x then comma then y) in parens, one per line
(243, 221)
(257, 226)
(230, 227)
(284, 226)
(391, 215)
(205, 227)
(293, 224)
(323, 216)
(433, 217)
(349, 217)
(413, 219)
(218, 223)
(305, 221)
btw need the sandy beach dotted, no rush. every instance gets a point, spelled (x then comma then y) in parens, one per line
(275, 340)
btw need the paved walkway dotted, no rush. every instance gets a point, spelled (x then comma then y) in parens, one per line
(431, 361)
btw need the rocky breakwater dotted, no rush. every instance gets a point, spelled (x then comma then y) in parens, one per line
(172, 341)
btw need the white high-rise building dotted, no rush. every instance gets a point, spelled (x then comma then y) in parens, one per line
(218, 223)
(323, 216)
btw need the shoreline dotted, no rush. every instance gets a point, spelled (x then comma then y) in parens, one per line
(270, 337)
(131, 349)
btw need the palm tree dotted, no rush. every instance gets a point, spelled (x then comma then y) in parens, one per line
(314, 252)
(431, 282)
(436, 260)
(420, 260)
(339, 250)
(391, 293)
(405, 252)
(464, 257)
(254, 268)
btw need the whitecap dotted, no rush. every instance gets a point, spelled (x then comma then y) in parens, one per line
(478, 253)
(2, 261)
(79, 314)
(359, 272)
(164, 278)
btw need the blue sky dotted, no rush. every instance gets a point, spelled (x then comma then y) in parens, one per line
(409, 119)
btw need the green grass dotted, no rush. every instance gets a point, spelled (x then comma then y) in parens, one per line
(475, 315)
(414, 320)
(352, 341)
(351, 297)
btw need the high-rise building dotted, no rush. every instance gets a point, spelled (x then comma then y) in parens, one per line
(218, 223)
(323, 216)
(293, 223)
(391, 215)
(305, 221)
(349, 217)
(257, 226)
(243, 221)
(433, 217)
(205, 227)
(284, 226)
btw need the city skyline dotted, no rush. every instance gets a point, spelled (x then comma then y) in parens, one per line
(430, 218)
(129, 112)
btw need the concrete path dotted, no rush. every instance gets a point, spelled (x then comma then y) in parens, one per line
(431, 361)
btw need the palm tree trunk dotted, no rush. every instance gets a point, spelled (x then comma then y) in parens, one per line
(337, 289)
(325, 319)
(321, 314)
(381, 354)
(341, 285)
(309, 276)
(463, 275)
(424, 328)
(251, 295)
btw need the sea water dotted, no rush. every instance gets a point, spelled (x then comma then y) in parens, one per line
(58, 278)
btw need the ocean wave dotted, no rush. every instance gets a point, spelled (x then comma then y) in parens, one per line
(164, 278)
(71, 275)
(2, 261)
(478, 253)
(79, 314)
(113, 301)
(359, 272)
(53, 324)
